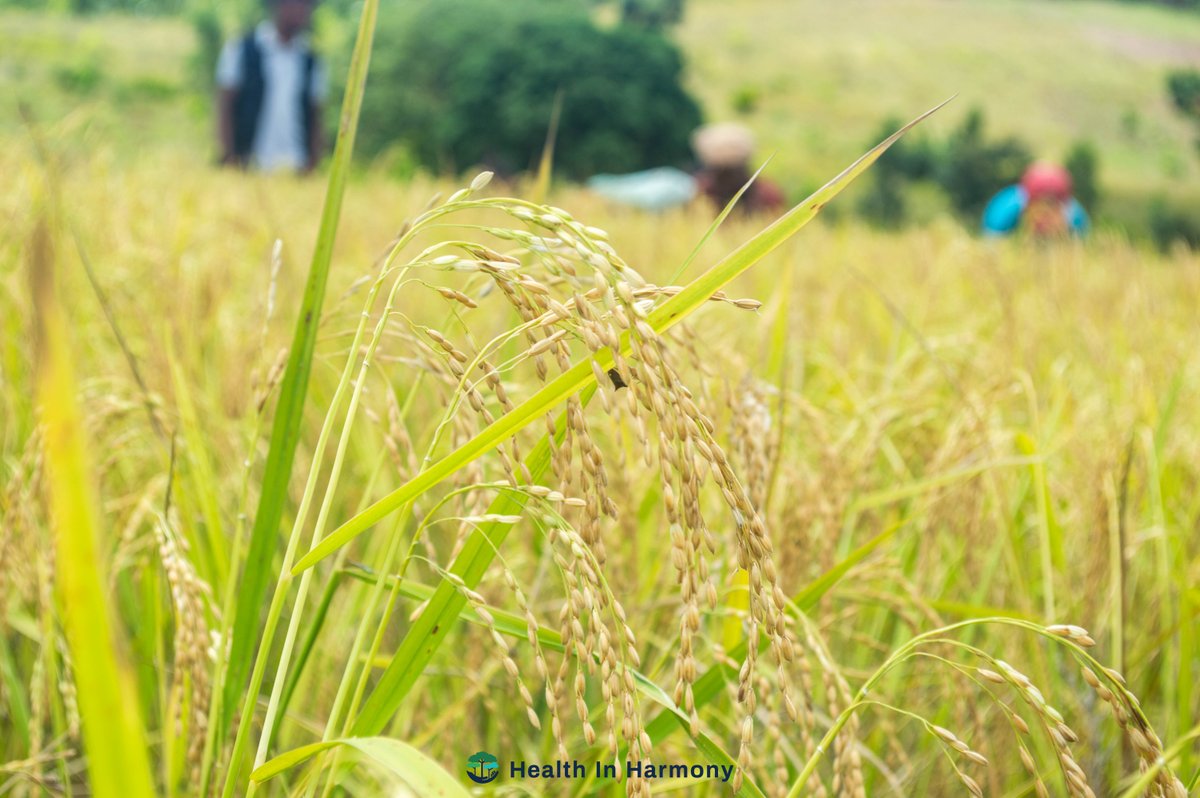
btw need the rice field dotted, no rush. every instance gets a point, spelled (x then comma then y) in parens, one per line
(560, 499)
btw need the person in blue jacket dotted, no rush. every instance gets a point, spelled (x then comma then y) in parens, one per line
(1041, 203)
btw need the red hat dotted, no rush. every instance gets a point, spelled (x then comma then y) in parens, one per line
(1046, 179)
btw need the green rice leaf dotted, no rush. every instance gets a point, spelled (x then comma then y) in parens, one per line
(424, 776)
(113, 736)
(289, 412)
(666, 315)
(515, 626)
(431, 627)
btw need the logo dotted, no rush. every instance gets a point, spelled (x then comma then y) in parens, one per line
(482, 767)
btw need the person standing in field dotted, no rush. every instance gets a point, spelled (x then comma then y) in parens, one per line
(724, 150)
(1041, 204)
(271, 86)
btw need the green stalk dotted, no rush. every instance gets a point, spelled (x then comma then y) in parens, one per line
(216, 706)
(1172, 667)
(319, 616)
(284, 581)
(323, 514)
(113, 735)
(360, 636)
(663, 317)
(899, 655)
(289, 413)
(431, 627)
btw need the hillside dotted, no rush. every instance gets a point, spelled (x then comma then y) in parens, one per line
(820, 77)
(826, 74)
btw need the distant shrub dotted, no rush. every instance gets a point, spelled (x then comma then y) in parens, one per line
(465, 82)
(910, 158)
(1083, 162)
(967, 167)
(971, 169)
(884, 204)
(206, 27)
(79, 78)
(1184, 87)
(651, 13)
(745, 99)
(147, 89)
(1170, 224)
(1131, 124)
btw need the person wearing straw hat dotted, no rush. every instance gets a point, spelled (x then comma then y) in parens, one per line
(724, 150)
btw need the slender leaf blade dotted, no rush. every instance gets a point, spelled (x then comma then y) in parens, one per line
(423, 775)
(671, 312)
(289, 410)
(515, 626)
(431, 627)
(113, 736)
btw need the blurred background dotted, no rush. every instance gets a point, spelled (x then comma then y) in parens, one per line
(1110, 90)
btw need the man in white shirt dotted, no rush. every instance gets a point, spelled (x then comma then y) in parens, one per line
(271, 86)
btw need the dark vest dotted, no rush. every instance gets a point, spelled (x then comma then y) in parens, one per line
(248, 102)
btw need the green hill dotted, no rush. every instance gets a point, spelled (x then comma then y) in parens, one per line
(823, 75)
(814, 78)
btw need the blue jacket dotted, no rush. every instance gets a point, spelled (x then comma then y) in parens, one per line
(1003, 212)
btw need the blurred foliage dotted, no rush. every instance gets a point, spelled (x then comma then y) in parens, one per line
(1131, 124)
(654, 14)
(884, 203)
(1170, 224)
(206, 24)
(81, 77)
(746, 99)
(1083, 162)
(971, 168)
(1184, 87)
(967, 166)
(912, 158)
(470, 82)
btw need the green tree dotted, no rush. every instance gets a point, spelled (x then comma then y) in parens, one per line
(654, 14)
(911, 158)
(1083, 162)
(467, 82)
(1184, 87)
(971, 168)
(1170, 224)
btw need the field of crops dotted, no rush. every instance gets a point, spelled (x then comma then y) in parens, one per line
(501, 492)
(841, 530)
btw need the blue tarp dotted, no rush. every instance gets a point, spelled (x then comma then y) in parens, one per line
(653, 189)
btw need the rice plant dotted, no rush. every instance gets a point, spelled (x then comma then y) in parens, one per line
(840, 514)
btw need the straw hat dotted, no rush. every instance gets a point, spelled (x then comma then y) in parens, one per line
(723, 144)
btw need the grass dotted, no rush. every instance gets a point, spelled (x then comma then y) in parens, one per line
(847, 512)
(963, 399)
